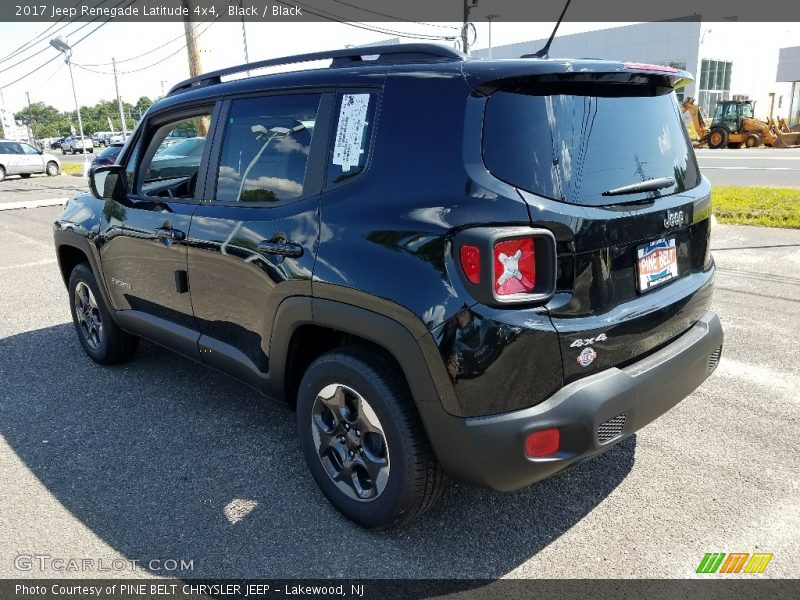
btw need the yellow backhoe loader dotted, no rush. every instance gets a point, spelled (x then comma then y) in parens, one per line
(733, 125)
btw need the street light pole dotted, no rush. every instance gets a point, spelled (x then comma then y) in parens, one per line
(62, 46)
(490, 18)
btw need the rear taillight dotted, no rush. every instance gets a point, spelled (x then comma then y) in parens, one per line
(507, 265)
(471, 263)
(514, 267)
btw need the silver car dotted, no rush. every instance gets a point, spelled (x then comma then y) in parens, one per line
(18, 158)
(74, 144)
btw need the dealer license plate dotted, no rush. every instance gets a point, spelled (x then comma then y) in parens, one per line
(657, 263)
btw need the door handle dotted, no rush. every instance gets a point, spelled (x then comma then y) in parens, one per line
(169, 233)
(281, 248)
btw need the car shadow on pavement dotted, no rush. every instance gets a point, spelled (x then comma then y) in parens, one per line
(164, 459)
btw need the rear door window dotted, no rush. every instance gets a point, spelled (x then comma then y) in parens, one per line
(575, 147)
(266, 148)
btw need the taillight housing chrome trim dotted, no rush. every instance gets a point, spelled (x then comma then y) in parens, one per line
(485, 239)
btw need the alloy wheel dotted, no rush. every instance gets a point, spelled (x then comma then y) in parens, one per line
(88, 316)
(350, 442)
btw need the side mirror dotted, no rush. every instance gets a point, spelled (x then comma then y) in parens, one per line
(109, 182)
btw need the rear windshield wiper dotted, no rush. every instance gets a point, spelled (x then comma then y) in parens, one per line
(650, 185)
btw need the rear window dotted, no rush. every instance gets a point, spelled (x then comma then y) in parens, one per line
(575, 147)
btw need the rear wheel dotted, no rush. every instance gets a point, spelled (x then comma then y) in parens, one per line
(99, 335)
(363, 441)
(2, 173)
(752, 141)
(718, 138)
(52, 169)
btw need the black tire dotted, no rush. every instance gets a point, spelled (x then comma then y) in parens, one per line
(2, 173)
(25, 175)
(52, 169)
(412, 481)
(109, 344)
(63, 152)
(752, 141)
(718, 138)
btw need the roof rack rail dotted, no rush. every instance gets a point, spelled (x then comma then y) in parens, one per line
(347, 57)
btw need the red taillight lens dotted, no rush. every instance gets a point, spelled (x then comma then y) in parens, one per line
(542, 443)
(471, 263)
(514, 267)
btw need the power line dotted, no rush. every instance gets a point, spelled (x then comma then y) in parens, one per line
(380, 14)
(164, 45)
(333, 17)
(57, 56)
(40, 37)
(155, 64)
(40, 51)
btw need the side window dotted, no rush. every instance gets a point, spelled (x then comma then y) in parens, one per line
(5, 148)
(171, 163)
(355, 113)
(28, 149)
(265, 149)
(15, 148)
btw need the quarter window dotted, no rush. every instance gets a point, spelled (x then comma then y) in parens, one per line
(355, 114)
(265, 151)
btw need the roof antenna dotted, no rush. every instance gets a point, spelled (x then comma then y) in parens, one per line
(543, 53)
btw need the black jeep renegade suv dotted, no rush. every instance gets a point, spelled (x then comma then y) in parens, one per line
(489, 269)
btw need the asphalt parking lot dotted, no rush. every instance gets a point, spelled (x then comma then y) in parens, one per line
(162, 459)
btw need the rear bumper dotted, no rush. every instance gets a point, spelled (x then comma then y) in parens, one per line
(490, 450)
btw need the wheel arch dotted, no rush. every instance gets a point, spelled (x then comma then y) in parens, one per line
(298, 319)
(73, 249)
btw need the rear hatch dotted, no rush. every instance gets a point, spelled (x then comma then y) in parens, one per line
(603, 160)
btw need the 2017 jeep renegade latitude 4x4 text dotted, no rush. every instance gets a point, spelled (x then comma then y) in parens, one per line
(488, 269)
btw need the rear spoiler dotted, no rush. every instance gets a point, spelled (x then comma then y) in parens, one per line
(486, 76)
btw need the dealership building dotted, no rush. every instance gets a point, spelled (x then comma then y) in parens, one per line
(727, 60)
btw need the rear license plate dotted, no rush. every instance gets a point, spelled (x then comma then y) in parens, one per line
(657, 263)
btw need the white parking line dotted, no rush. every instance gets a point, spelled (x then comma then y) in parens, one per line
(32, 203)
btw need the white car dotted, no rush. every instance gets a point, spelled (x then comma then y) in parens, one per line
(17, 158)
(75, 144)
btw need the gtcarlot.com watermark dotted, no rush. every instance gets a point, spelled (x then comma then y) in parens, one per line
(64, 564)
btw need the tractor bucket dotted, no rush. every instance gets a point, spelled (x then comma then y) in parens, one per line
(787, 140)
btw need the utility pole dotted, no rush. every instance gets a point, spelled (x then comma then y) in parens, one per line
(119, 100)
(30, 114)
(194, 57)
(468, 6)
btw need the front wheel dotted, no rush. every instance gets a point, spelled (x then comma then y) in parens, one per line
(52, 169)
(363, 441)
(100, 336)
(718, 138)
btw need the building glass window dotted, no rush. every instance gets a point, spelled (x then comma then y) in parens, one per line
(715, 84)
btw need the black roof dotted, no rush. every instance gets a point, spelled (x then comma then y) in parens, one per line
(371, 64)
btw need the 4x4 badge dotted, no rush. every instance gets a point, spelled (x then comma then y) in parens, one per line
(586, 357)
